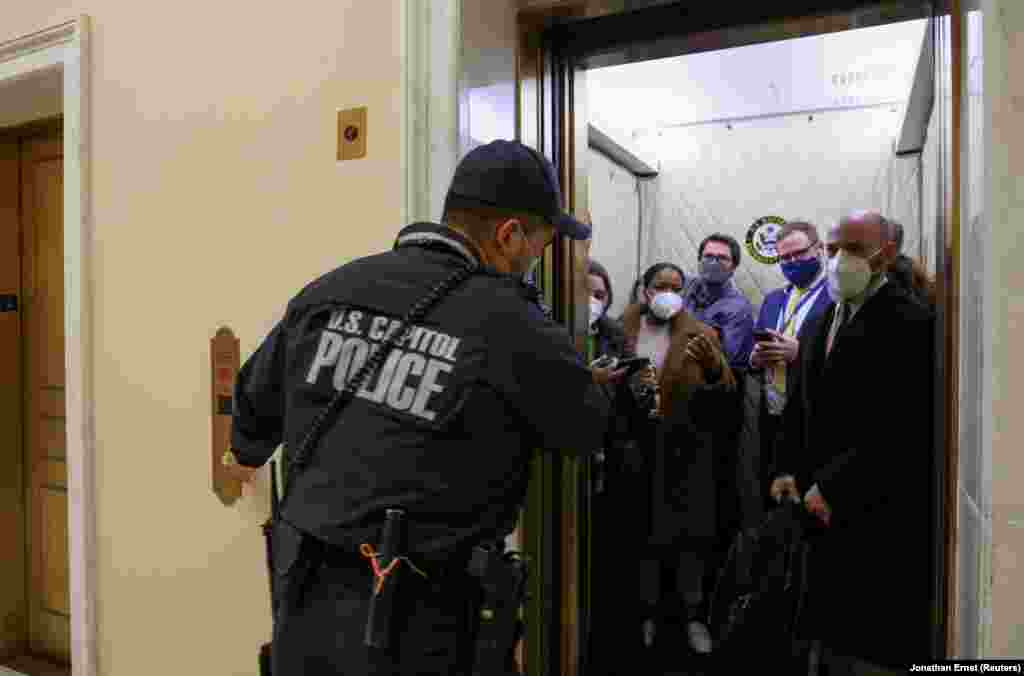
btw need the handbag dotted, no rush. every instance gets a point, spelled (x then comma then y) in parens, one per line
(761, 590)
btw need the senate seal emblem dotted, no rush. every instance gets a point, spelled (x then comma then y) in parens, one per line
(761, 239)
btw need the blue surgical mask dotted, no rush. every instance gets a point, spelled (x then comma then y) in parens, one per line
(802, 273)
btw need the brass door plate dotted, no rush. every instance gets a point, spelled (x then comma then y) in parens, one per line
(225, 358)
(352, 134)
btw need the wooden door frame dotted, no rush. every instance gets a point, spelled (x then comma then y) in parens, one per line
(545, 120)
(66, 47)
(551, 528)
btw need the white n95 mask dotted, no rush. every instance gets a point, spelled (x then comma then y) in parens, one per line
(849, 275)
(596, 310)
(666, 305)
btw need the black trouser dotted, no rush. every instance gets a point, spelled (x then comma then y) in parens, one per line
(770, 426)
(619, 596)
(322, 615)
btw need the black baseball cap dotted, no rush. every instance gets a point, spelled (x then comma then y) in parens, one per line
(510, 175)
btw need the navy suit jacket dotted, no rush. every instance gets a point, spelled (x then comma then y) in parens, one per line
(775, 302)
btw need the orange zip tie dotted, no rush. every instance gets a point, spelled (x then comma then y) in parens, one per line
(370, 553)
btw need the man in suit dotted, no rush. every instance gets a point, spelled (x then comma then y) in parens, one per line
(857, 437)
(784, 314)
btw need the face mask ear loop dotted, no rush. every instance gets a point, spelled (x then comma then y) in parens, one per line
(522, 231)
(877, 251)
(526, 241)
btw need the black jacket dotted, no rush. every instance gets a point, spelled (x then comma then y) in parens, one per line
(447, 429)
(859, 424)
(609, 339)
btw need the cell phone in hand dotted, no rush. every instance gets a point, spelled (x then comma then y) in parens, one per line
(762, 336)
(633, 365)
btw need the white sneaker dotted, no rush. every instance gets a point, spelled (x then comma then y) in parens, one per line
(699, 637)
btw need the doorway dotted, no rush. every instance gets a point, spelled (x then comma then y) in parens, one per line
(44, 76)
(555, 117)
(37, 629)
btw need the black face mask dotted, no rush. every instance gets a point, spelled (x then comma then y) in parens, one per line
(714, 272)
(802, 273)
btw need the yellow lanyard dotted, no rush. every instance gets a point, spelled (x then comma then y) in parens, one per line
(797, 299)
(791, 310)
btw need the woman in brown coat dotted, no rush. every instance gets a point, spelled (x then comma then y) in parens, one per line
(695, 402)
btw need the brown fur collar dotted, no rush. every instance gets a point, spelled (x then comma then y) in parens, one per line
(680, 375)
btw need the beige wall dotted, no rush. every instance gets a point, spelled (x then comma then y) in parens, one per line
(1004, 52)
(216, 197)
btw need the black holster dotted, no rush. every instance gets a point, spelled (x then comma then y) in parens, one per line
(268, 539)
(502, 578)
(266, 648)
(380, 618)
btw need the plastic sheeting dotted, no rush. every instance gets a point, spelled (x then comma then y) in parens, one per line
(615, 210)
(714, 178)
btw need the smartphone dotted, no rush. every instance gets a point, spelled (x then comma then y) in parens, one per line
(762, 336)
(633, 365)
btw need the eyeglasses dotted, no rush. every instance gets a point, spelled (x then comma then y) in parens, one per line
(796, 255)
(721, 258)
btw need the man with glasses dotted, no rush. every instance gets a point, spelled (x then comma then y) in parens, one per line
(713, 298)
(779, 328)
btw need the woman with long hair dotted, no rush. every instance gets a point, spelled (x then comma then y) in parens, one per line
(910, 275)
(605, 332)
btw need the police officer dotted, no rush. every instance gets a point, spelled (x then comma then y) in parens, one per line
(444, 431)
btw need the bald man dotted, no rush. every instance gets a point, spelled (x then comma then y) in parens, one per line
(857, 437)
